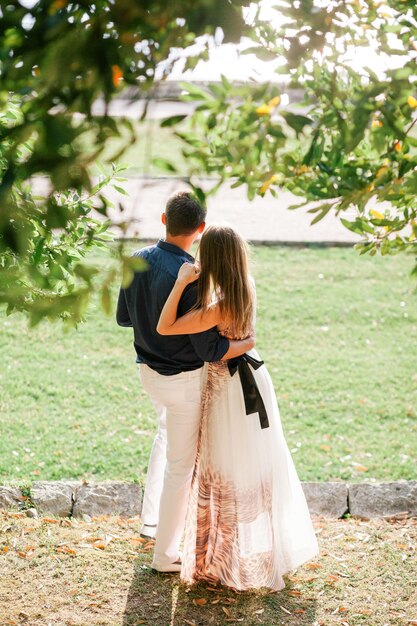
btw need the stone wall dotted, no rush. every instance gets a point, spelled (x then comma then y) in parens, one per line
(88, 499)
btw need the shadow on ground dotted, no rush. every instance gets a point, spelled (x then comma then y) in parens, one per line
(161, 600)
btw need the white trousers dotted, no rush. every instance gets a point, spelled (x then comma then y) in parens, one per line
(177, 400)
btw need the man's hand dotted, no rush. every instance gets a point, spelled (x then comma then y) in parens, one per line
(236, 348)
(188, 273)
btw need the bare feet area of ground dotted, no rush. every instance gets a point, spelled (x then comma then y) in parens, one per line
(66, 572)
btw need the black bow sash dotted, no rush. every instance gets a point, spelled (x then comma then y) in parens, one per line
(253, 399)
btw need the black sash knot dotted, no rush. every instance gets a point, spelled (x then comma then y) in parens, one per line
(253, 399)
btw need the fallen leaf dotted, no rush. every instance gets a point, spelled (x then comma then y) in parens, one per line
(29, 548)
(66, 550)
(313, 565)
(259, 612)
(293, 578)
(299, 611)
(332, 578)
(49, 520)
(200, 601)
(135, 540)
(325, 447)
(226, 611)
(295, 593)
(5, 549)
(361, 468)
(66, 522)
(187, 621)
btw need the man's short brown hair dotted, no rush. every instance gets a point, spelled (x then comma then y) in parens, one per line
(184, 213)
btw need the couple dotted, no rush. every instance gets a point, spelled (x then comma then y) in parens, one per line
(220, 465)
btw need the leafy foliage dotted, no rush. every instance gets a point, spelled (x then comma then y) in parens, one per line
(351, 145)
(56, 59)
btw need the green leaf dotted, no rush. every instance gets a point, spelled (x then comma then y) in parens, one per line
(171, 121)
(85, 271)
(226, 84)
(106, 299)
(359, 226)
(297, 122)
(322, 211)
(163, 164)
(38, 250)
(199, 193)
(194, 92)
(120, 190)
(127, 275)
(353, 226)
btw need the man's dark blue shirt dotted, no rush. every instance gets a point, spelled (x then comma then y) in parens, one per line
(140, 306)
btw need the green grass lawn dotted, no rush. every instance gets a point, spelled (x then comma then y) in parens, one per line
(152, 142)
(336, 330)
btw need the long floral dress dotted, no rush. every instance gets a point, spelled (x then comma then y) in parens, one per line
(247, 522)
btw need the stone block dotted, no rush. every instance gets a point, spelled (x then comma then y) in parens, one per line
(110, 498)
(10, 497)
(369, 500)
(53, 497)
(327, 499)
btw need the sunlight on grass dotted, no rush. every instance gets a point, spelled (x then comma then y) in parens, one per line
(336, 331)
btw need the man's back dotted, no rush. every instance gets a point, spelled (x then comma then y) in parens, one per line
(140, 305)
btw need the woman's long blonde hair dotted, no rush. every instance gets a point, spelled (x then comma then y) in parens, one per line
(224, 261)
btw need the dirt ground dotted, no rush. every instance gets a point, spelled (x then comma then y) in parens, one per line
(75, 573)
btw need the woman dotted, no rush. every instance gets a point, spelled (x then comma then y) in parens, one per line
(247, 523)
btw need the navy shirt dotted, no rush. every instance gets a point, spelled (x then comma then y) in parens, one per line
(140, 306)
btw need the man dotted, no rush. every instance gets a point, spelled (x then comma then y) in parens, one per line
(172, 372)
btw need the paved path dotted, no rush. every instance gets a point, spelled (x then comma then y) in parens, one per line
(262, 220)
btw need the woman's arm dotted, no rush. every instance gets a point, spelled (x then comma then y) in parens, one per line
(238, 347)
(192, 322)
(195, 321)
